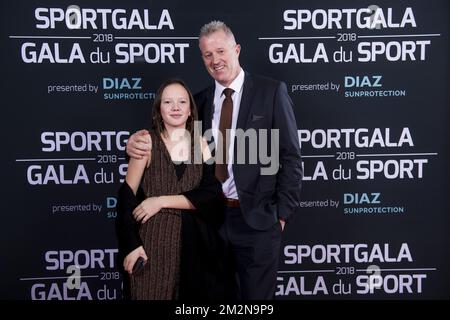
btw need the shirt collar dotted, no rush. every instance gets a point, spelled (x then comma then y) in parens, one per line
(236, 85)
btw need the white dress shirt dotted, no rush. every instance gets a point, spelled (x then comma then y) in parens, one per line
(228, 186)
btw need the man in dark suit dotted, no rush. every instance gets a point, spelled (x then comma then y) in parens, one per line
(259, 199)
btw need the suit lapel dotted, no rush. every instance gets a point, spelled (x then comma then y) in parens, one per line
(244, 108)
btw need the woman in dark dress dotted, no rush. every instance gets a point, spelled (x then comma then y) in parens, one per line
(174, 229)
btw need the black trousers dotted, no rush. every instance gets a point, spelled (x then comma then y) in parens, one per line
(253, 255)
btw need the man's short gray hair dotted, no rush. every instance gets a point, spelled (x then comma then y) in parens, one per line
(215, 26)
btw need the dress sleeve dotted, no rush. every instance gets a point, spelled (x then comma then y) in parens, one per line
(127, 229)
(207, 198)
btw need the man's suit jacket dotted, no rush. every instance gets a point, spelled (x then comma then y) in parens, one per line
(265, 104)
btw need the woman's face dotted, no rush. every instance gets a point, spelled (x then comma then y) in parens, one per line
(175, 106)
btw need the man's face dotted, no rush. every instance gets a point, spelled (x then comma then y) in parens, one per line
(221, 57)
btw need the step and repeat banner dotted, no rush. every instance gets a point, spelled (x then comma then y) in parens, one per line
(369, 82)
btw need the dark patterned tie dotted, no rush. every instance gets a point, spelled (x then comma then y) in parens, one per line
(226, 115)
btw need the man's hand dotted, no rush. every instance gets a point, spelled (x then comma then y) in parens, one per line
(139, 144)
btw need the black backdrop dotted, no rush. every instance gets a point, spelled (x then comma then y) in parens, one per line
(371, 103)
